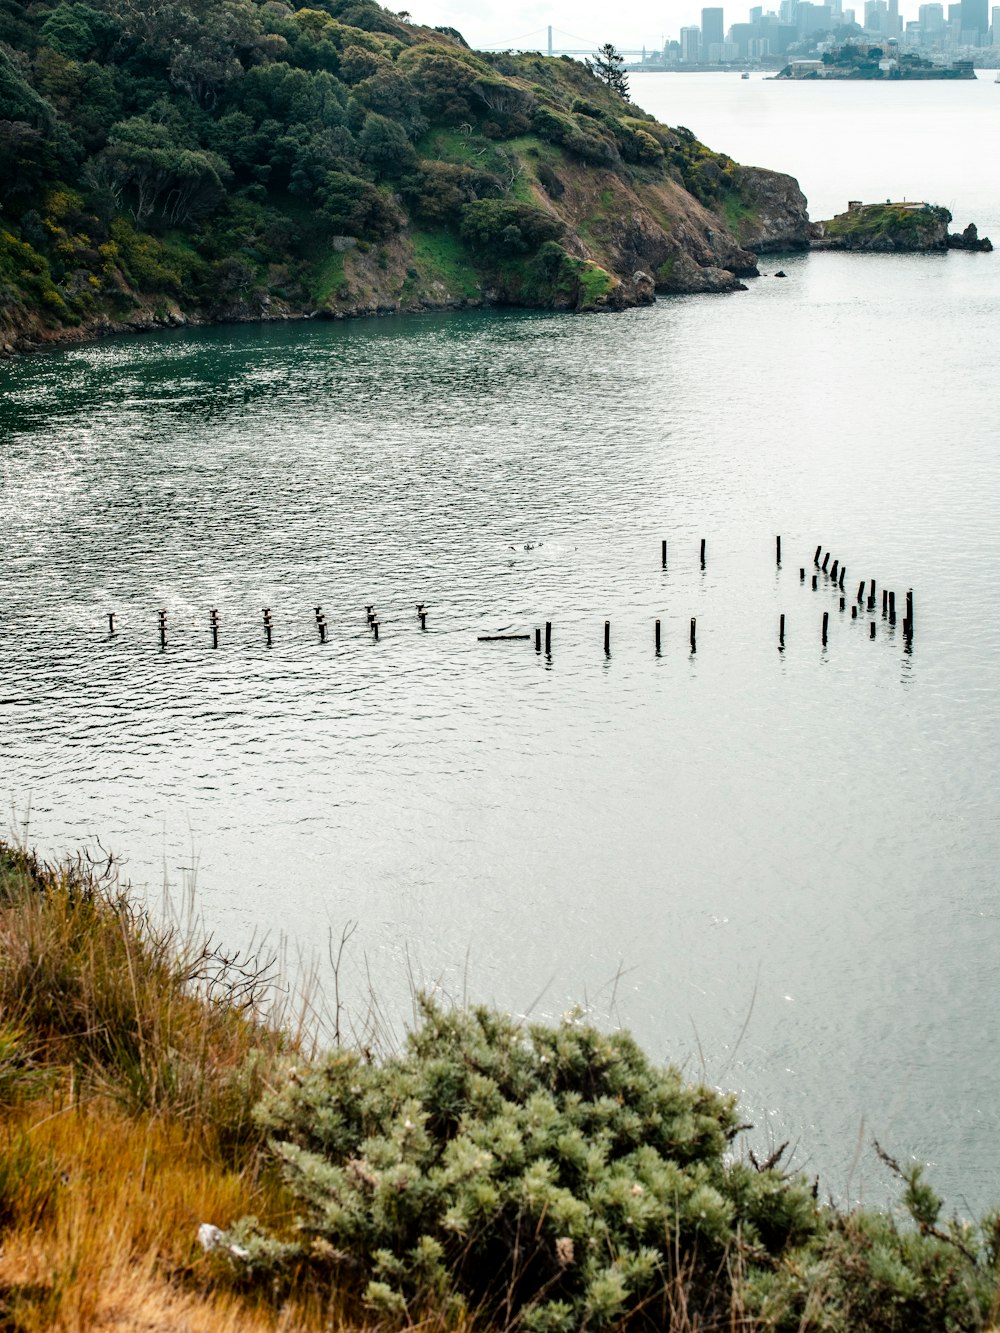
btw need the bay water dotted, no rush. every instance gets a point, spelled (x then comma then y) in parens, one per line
(778, 868)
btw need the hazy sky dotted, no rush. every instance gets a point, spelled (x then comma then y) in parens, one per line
(492, 23)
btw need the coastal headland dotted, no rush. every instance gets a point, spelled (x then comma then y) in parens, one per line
(159, 169)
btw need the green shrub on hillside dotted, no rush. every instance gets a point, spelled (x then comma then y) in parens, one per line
(551, 1176)
(495, 227)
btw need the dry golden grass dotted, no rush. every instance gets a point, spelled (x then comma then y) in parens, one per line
(130, 1059)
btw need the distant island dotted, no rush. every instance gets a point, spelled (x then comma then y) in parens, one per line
(865, 60)
(253, 160)
(903, 227)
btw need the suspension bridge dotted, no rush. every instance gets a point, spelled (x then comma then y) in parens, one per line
(555, 43)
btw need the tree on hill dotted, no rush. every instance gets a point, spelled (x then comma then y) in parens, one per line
(608, 65)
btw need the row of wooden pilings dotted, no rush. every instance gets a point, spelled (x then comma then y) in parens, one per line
(837, 573)
(215, 623)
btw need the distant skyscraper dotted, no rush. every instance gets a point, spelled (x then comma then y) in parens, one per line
(712, 28)
(975, 21)
(931, 18)
(691, 45)
(995, 30)
(893, 22)
(877, 17)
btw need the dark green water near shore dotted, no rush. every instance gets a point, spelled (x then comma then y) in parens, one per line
(803, 844)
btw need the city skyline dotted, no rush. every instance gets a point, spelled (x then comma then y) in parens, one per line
(490, 24)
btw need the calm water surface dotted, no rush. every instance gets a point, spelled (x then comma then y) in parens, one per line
(801, 844)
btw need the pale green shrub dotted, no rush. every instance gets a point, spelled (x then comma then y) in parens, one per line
(551, 1176)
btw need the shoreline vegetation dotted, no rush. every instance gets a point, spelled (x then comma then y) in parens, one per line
(489, 1174)
(179, 163)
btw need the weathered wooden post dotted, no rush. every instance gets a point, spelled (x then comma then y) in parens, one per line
(833, 571)
(663, 552)
(871, 633)
(826, 561)
(815, 582)
(843, 575)
(826, 625)
(885, 603)
(607, 638)
(909, 613)
(781, 630)
(802, 575)
(268, 624)
(548, 638)
(657, 636)
(843, 603)
(892, 608)
(163, 628)
(871, 596)
(816, 556)
(213, 620)
(375, 629)
(854, 611)
(703, 552)
(694, 638)
(777, 543)
(861, 592)
(111, 623)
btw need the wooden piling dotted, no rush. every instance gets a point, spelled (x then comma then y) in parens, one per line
(163, 628)
(843, 575)
(538, 640)
(843, 603)
(892, 608)
(909, 614)
(833, 570)
(885, 603)
(111, 623)
(777, 551)
(802, 575)
(694, 636)
(826, 561)
(607, 638)
(854, 611)
(826, 626)
(322, 629)
(781, 630)
(663, 552)
(548, 638)
(657, 638)
(703, 552)
(861, 592)
(815, 582)
(871, 630)
(816, 556)
(871, 591)
(375, 629)
(423, 619)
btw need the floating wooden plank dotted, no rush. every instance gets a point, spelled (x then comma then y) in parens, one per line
(502, 638)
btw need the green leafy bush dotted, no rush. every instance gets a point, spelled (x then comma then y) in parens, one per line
(495, 227)
(552, 1175)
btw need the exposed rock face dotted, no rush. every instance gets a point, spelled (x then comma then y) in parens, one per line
(779, 215)
(969, 239)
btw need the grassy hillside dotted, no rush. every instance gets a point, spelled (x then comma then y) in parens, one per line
(247, 159)
(490, 1175)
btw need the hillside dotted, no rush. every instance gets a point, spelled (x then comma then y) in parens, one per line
(167, 162)
(173, 1157)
